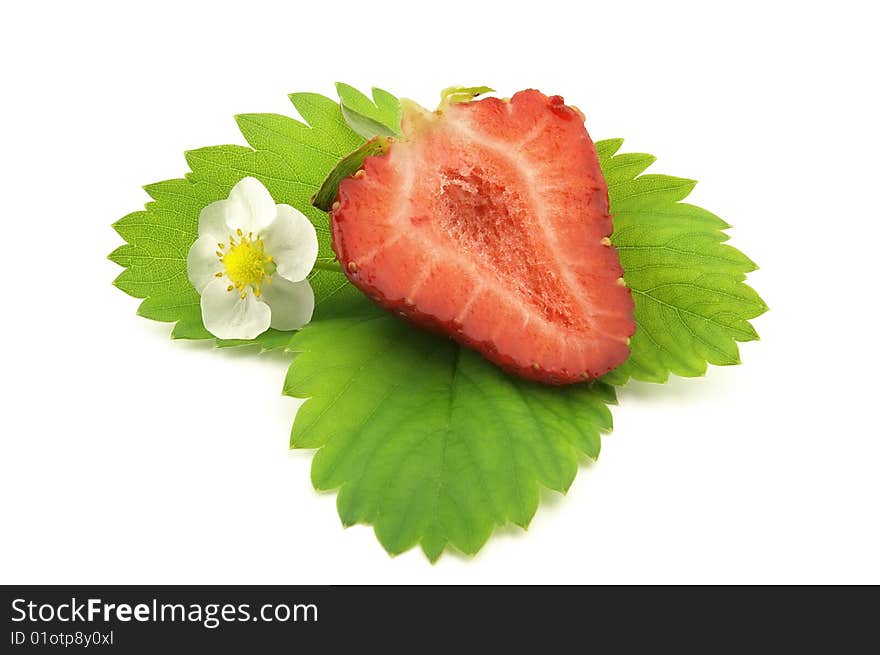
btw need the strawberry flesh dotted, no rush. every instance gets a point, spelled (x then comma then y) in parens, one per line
(488, 221)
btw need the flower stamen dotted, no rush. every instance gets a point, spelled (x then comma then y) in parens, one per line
(246, 264)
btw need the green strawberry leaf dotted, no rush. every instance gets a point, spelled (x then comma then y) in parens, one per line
(291, 158)
(691, 303)
(369, 118)
(434, 446)
(426, 440)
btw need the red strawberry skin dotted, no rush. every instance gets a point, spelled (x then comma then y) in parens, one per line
(488, 221)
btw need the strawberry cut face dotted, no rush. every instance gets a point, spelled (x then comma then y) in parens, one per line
(488, 221)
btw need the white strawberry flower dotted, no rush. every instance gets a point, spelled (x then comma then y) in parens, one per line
(250, 264)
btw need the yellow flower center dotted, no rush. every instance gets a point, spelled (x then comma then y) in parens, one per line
(246, 263)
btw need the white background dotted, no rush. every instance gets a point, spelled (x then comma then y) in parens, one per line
(129, 458)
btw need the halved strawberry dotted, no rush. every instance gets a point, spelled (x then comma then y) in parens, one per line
(488, 221)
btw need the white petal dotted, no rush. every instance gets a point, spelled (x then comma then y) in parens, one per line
(202, 262)
(229, 316)
(292, 242)
(213, 218)
(292, 303)
(255, 207)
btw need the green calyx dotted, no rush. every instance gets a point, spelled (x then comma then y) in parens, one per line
(454, 94)
(347, 167)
